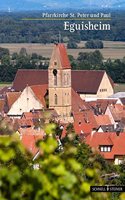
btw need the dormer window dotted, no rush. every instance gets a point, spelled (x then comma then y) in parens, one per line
(105, 148)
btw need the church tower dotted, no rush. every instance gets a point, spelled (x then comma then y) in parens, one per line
(59, 75)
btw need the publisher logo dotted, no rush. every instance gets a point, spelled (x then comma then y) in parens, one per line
(107, 188)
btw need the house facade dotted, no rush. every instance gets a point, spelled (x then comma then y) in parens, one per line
(109, 145)
(27, 101)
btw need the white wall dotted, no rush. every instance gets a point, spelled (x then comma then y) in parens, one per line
(105, 85)
(26, 102)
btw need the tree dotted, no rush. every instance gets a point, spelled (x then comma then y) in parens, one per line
(59, 176)
(3, 52)
(92, 60)
(14, 56)
(23, 52)
(94, 44)
(5, 60)
(72, 45)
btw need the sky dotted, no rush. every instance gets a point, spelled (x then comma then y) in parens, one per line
(58, 4)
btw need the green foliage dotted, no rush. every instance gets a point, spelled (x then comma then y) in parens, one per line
(85, 61)
(94, 44)
(5, 60)
(72, 45)
(92, 60)
(23, 52)
(59, 175)
(3, 52)
(10, 64)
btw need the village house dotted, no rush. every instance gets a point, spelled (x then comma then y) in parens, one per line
(116, 113)
(29, 137)
(110, 145)
(32, 97)
(60, 94)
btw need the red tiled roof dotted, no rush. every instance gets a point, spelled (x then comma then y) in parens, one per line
(117, 111)
(29, 77)
(77, 103)
(25, 122)
(117, 143)
(101, 103)
(40, 92)
(100, 139)
(79, 129)
(51, 113)
(29, 137)
(32, 115)
(82, 128)
(82, 115)
(12, 97)
(61, 52)
(85, 117)
(102, 120)
(88, 81)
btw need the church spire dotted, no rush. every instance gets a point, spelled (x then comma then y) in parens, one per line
(60, 57)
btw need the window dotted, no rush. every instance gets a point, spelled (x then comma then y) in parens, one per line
(64, 79)
(67, 79)
(55, 80)
(109, 149)
(120, 161)
(55, 63)
(56, 99)
(55, 76)
(101, 149)
(103, 90)
(105, 148)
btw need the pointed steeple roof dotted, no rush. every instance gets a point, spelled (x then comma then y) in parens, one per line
(60, 55)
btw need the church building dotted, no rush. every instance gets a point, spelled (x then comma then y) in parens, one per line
(66, 88)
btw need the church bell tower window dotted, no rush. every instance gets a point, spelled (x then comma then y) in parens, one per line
(55, 76)
(56, 99)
